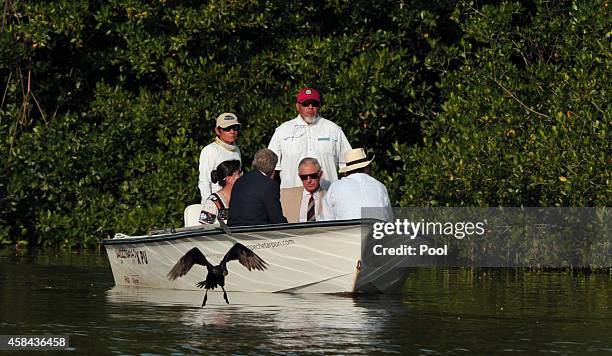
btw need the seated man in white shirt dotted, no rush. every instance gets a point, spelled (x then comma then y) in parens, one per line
(302, 204)
(345, 197)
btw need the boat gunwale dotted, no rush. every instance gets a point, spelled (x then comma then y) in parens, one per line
(237, 229)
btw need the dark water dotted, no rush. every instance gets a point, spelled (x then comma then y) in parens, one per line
(452, 311)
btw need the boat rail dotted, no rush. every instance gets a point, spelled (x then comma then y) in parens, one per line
(174, 233)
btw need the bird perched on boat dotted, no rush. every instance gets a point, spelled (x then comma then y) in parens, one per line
(216, 274)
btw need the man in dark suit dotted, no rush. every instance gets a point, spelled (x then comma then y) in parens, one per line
(255, 198)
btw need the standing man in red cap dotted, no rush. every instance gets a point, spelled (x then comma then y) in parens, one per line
(308, 135)
(222, 149)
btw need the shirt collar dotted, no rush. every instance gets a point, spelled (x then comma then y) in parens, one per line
(300, 122)
(307, 193)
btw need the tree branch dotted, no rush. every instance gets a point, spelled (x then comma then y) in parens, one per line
(519, 100)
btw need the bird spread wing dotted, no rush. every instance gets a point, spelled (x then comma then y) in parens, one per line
(246, 257)
(183, 265)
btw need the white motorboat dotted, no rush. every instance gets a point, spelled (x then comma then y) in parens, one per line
(320, 257)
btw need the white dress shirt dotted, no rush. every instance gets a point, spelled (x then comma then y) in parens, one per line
(345, 198)
(304, 205)
(210, 157)
(295, 139)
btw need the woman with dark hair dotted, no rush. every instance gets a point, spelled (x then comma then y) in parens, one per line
(216, 206)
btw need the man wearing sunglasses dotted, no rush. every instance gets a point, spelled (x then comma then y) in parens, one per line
(308, 135)
(222, 149)
(303, 204)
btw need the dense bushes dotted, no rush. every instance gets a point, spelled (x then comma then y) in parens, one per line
(107, 103)
(526, 114)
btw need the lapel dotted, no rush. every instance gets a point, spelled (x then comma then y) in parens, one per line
(291, 198)
(291, 201)
(320, 202)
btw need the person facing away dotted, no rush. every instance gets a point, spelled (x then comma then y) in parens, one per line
(357, 189)
(302, 204)
(256, 196)
(222, 149)
(216, 206)
(308, 135)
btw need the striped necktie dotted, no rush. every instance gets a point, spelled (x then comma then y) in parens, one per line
(310, 215)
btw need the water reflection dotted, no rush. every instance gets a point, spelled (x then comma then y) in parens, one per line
(285, 320)
(441, 311)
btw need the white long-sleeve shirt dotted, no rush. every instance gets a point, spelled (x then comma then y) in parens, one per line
(295, 139)
(345, 198)
(210, 157)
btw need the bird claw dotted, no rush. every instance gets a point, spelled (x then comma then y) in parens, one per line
(225, 297)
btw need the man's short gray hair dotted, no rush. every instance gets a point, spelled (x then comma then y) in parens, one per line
(265, 161)
(311, 161)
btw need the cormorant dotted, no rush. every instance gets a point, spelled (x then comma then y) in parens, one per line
(216, 274)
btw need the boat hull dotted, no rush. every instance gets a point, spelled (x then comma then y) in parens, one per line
(301, 258)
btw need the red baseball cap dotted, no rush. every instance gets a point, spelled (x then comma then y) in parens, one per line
(308, 94)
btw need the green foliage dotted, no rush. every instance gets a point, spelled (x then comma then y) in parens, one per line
(106, 104)
(526, 114)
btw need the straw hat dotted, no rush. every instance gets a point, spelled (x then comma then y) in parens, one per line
(355, 159)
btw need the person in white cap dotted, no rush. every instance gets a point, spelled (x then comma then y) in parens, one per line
(308, 135)
(222, 149)
(346, 197)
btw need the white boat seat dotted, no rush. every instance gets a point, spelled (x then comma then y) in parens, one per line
(192, 215)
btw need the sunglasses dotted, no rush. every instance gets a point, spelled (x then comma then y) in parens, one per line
(311, 176)
(229, 128)
(308, 103)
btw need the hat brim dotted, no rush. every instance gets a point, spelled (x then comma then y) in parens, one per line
(228, 124)
(353, 167)
(306, 99)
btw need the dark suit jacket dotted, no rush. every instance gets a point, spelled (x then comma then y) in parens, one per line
(255, 201)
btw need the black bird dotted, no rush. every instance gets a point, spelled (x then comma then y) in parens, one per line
(216, 274)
